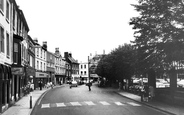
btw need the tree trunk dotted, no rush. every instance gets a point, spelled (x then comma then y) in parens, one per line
(152, 78)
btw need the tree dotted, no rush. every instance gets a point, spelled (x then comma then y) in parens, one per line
(159, 33)
(117, 65)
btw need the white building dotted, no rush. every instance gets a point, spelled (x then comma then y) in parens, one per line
(60, 67)
(83, 70)
(40, 63)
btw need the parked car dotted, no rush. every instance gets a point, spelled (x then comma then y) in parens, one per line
(161, 83)
(68, 82)
(73, 84)
(180, 83)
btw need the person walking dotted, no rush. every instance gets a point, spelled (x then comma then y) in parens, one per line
(146, 93)
(89, 85)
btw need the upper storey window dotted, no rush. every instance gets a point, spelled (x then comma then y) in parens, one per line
(7, 10)
(1, 39)
(2, 5)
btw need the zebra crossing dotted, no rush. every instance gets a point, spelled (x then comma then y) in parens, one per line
(89, 103)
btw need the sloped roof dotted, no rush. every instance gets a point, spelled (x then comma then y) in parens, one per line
(72, 60)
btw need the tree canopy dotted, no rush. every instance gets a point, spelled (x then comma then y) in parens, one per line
(117, 64)
(159, 33)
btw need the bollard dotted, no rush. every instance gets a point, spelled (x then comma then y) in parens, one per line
(30, 101)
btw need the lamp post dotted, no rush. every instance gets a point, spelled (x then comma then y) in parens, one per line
(88, 69)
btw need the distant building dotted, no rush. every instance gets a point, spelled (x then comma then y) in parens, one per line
(83, 70)
(73, 65)
(30, 71)
(93, 63)
(41, 76)
(50, 67)
(60, 68)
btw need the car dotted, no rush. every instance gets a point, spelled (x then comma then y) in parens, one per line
(73, 84)
(161, 83)
(181, 83)
(68, 82)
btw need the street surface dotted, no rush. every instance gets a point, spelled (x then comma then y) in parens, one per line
(80, 101)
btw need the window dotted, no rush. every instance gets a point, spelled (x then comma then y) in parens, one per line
(7, 10)
(44, 67)
(1, 39)
(81, 66)
(7, 44)
(31, 61)
(84, 72)
(15, 59)
(85, 66)
(2, 5)
(81, 72)
(41, 53)
(41, 65)
(37, 65)
(13, 17)
(37, 52)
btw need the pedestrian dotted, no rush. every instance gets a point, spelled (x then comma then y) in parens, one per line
(152, 92)
(146, 92)
(120, 85)
(89, 85)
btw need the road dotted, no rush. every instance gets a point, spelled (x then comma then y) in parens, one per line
(79, 101)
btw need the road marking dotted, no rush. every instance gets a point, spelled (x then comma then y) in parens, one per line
(104, 103)
(89, 103)
(119, 103)
(133, 104)
(75, 103)
(45, 106)
(60, 105)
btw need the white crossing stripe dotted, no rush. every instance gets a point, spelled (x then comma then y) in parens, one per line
(45, 106)
(104, 103)
(133, 104)
(89, 103)
(75, 103)
(119, 103)
(60, 105)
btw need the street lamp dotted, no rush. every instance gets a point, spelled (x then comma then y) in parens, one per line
(88, 69)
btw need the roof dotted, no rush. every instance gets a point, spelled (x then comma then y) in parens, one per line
(72, 60)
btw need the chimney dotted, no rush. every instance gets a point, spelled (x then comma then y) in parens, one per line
(35, 40)
(57, 50)
(45, 44)
(70, 54)
(103, 52)
(66, 55)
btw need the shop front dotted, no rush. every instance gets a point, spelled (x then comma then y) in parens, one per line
(5, 87)
(41, 79)
(30, 72)
(18, 76)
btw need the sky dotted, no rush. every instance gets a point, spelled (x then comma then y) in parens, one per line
(81, 27)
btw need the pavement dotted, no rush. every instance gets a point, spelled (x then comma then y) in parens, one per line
(160, 106)
(22, 107)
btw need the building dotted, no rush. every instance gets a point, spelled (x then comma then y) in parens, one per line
(72, 65)
(20, 32)
(41, 77)
(13, 52)
(93, 63)
(5, 54)
(60, 67)
(30, 70)
(50, 67)
(83, 70)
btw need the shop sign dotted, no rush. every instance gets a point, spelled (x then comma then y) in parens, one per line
(17, 70)
(41, 75)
